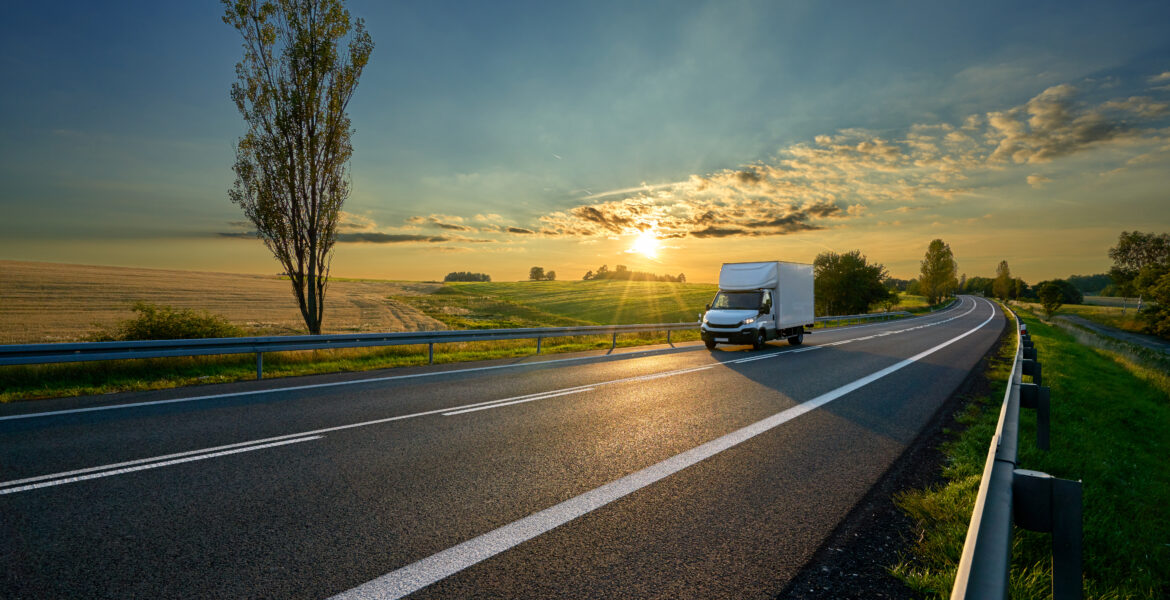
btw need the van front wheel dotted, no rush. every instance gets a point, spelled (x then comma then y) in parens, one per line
(758, 341)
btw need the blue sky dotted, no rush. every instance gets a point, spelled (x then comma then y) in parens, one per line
(546, 133)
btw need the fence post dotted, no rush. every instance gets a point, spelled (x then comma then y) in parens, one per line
(259, 365)
(538, 344)
(431, 353)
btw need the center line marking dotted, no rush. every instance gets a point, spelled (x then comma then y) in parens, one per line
(143, 467)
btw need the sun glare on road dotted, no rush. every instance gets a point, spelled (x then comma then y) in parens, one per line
(646, 244)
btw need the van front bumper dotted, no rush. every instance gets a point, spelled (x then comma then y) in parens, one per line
(723, 336)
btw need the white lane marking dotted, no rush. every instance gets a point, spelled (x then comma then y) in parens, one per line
(505, 402)
(631, 354)
(451, 410)
(143, 467)
(419, 574)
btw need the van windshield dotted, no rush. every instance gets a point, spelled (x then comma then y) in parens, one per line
(737, 300)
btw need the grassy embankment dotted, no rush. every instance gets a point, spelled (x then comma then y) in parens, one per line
(1109, 425)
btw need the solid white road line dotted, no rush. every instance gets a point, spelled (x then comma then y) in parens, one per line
(422, 573)
(359, 381)
(143, 467)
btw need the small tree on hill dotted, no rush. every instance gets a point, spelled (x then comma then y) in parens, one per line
(1051, 297)
(536, 274)
(550, 276)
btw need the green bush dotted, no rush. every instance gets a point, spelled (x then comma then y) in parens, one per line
(161, 322)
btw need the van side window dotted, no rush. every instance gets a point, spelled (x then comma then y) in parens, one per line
(766, 301)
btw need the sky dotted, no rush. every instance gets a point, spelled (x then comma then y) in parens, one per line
(669, 137)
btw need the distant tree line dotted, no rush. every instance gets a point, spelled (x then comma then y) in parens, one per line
(623, 273)
(467, 276)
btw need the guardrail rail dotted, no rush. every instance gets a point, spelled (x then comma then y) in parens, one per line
(1011, 496)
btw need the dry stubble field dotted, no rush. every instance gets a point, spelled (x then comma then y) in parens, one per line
(50, 302)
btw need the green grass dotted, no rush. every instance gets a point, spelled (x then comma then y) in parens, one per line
(1109, 430)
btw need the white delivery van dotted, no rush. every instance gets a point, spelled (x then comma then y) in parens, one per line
(760, 301)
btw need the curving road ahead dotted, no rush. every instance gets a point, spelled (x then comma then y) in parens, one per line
(664, 473)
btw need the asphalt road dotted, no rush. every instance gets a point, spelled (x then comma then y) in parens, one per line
(670, 473)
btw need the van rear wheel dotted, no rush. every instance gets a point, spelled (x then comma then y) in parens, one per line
(796, 340)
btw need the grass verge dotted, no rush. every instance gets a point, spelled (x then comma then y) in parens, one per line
(1108, 429)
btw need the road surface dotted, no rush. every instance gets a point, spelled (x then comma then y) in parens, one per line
(668, 473)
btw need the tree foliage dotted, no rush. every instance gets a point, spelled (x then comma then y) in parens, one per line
(1051, 297)
(938, 279)
(467, 276)
(1069, 294)
(623, 273)
(847, 284)
(536, 274)
(293, 86)
(1004, 285)
(1141, 267)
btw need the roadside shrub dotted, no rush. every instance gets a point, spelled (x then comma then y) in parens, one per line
(161, 322)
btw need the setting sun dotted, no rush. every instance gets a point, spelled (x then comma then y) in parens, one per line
(646, 244)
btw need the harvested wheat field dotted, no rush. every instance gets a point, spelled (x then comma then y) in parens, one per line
(50, 302)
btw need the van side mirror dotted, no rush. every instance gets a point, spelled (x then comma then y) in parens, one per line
(708, 306)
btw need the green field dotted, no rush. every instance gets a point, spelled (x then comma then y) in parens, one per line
(585, 302)
(1109, 423)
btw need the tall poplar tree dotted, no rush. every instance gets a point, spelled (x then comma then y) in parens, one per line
(1004, 285)
(293, 86)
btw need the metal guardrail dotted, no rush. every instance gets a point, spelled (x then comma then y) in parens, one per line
(1011, 496)
(27, 354)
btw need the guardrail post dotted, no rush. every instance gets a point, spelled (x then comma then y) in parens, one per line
(538, 338)
(1041, 502)
(614, 344)
(1032, 367)
(431, 353)
(668, 332)
(259, 365)
(1038, 397)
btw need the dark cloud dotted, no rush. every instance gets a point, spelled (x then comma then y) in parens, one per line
(452, 226)
(716, 232)
(520, 230)
(390, 238)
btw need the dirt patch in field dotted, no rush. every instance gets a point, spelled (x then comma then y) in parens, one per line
(50, 302)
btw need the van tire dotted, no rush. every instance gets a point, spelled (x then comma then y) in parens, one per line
(710, 345)
(796, 340)
(758, 341)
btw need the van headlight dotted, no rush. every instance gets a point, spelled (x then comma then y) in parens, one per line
(749, 320)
